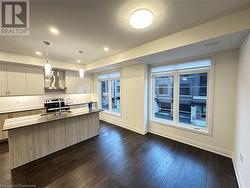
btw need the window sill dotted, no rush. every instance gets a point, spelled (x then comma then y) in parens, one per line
(112, 113)
(182, 127)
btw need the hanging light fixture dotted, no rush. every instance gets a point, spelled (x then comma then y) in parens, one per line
(47, 66)
(81, 72)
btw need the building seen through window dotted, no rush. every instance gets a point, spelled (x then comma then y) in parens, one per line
(164, 97)
(192, 98)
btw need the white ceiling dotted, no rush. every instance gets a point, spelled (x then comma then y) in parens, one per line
(226, 42)
(89, 25)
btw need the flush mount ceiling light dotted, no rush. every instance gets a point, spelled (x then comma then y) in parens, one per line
(54, 30)
(141, 19)
(78, 61)
(38, 53)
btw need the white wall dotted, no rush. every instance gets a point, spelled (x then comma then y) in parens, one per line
(242, 129)
(221, 140)
(133, 106)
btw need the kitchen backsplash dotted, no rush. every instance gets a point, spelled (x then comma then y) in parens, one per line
(30, 102)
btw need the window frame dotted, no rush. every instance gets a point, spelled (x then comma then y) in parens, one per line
(100, 94)
(209, 101)
(109, 111)
(153, 94)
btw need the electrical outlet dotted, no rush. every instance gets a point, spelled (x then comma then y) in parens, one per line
(241, 158)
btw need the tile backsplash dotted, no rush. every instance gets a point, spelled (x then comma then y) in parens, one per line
(31, 102)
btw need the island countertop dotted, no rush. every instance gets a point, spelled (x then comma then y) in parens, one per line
(19, 122)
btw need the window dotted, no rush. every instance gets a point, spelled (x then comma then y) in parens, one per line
(115, 95)
(104, 95)
(163, 99)
(109, 91)
(180, 94)
(192, 107)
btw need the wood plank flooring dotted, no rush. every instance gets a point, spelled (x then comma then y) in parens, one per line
(121, 158)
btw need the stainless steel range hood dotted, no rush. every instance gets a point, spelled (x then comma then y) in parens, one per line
(55, 82)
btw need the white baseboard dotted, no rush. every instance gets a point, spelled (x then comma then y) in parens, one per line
(123, 126)
(237, 172)
(200, 145)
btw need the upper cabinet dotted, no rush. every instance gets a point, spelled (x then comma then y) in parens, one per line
(35, 81)
(76, 85)
(3, 80)
(20, 80)
(16, 80)
(16, 77)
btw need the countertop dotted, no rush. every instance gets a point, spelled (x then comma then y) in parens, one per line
(19, 122)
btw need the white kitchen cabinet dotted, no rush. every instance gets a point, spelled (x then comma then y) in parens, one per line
(16, 77)
(76, 85)
(21, 80)
(3, 80)
(35, 81)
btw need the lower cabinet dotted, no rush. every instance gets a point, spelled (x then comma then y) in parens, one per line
(3, 117)
(3, 134)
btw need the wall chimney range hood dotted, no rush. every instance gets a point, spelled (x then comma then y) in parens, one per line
(55, 82)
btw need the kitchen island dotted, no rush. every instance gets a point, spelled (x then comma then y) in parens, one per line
(33, 137)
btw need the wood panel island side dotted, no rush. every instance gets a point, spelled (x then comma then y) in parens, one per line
(33, 137)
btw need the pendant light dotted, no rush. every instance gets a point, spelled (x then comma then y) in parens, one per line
(47, 66)
(81, 72)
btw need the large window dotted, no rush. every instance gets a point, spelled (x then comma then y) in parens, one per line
(109, 92)
(180, 94)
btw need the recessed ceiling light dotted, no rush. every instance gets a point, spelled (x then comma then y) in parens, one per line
(54, 30)
(38, 53)
(106, 49)
(78, 61)
(141, 19)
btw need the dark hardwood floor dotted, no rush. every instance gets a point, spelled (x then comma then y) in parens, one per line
(121, 158)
